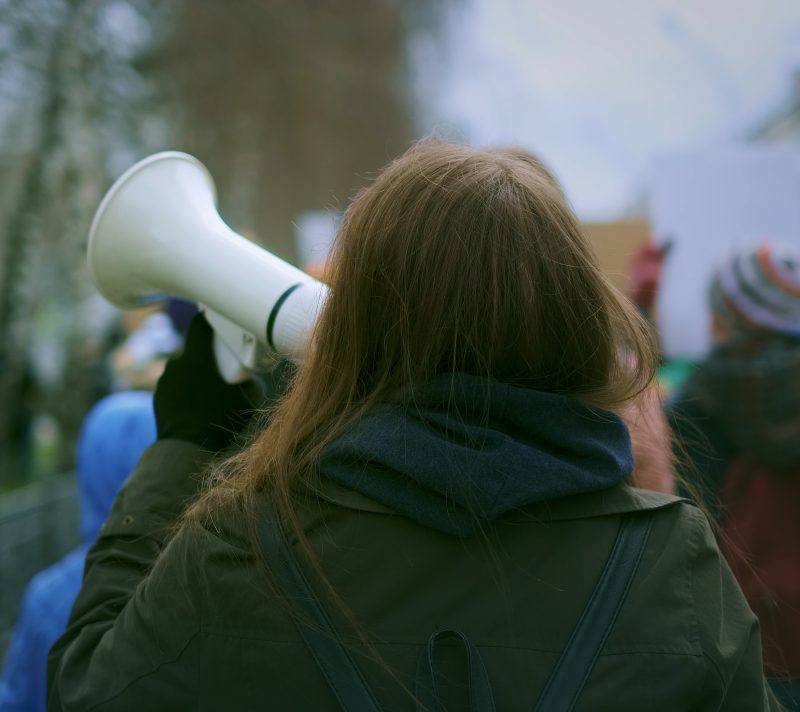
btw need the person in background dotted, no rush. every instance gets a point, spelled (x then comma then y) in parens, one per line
(150, 337)
(737, 426)
(646, 267)
(644, 281)
(113, 436)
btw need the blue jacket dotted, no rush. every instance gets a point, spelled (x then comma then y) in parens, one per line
(113, 436)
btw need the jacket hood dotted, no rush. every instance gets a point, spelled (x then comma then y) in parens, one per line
(113, 436)
(752, 389)
(461, 451)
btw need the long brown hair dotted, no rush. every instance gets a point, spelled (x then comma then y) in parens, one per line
(451, 260)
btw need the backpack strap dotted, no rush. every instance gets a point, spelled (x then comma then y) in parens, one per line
(566, 681)
(319, 634)
(578, 658)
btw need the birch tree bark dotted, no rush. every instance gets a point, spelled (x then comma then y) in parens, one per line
(87, 110)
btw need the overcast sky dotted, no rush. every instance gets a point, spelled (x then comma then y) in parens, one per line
(600, 88)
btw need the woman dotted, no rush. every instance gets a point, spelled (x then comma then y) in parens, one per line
(446, 458)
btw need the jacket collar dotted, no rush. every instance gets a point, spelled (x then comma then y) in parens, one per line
(615, 500)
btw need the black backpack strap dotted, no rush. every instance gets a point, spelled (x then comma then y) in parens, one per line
(480, 690)
(565, 682)
(583, 648)
(340, 671)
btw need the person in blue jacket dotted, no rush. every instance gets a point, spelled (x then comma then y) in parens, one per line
(113, 436)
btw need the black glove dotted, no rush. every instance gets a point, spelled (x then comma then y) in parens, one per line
(192, 401)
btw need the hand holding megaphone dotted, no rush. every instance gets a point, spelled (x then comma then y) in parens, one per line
(157, 233)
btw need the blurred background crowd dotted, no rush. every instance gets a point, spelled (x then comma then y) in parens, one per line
(674, 129)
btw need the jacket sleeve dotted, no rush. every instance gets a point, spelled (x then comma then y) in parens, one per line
(124, 626)
(728, 630)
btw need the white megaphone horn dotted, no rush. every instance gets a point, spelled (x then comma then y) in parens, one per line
(157, 233)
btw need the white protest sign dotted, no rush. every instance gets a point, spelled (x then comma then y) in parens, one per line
(708, 205)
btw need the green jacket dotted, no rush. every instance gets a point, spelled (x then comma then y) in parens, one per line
(191, 623)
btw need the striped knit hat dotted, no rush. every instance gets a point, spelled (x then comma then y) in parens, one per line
(758, 292)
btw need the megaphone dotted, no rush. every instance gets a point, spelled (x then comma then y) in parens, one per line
(157, 233)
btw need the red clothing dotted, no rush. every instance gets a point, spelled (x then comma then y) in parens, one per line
(761, 540)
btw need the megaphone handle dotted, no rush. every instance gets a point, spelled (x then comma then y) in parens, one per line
(234, 348)
(230, 367)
